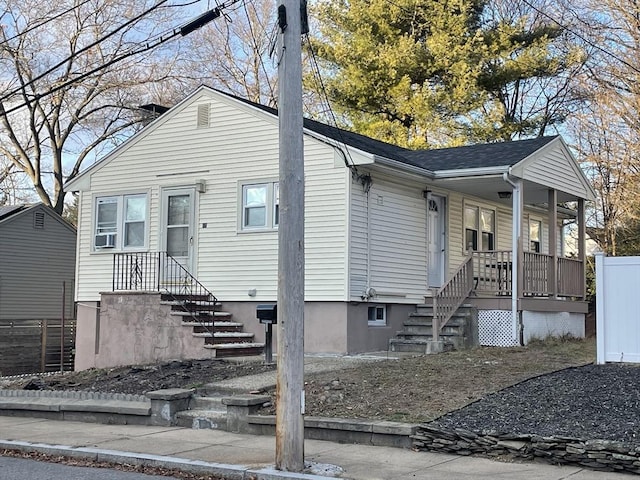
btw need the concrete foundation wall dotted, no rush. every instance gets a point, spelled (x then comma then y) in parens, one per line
(365, 338)
(331, 327)
(87, 335)
(324, 324)
(555, 324)
(133, 329)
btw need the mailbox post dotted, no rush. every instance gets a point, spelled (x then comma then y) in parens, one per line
(268, 315)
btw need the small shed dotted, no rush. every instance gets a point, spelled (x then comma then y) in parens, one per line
(37, 272)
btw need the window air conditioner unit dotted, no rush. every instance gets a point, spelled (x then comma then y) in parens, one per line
(106, 241)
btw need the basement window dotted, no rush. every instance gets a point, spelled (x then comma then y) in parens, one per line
(377, 316)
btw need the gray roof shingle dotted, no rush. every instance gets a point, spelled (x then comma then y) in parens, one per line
(455, 158)
(8, 210)
(478, 156)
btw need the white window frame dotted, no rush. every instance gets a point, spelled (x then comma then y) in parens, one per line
(271, 206)
(478, 227)
(377, 322)
(121, 223)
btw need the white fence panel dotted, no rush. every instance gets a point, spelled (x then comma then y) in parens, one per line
(617, 310)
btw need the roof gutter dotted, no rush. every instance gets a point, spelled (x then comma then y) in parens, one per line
(404, 166)
(472, 172)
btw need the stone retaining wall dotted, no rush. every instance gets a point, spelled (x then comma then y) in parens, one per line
(124, 397)
(604, 455)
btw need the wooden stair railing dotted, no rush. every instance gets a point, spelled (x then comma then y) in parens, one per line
(448, 298)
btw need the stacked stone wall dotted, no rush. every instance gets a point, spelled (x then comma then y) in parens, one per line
(604, 455)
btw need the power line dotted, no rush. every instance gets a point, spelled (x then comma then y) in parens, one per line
(255, 48)
(324, 98)
(50, 19)
(57, 16)
(184, 30)
(82, 50)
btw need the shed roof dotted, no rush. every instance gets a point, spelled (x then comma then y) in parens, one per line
(7, 210)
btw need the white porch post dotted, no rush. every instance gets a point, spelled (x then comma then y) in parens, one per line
(582, 234)
(553, 242)
(517, 252)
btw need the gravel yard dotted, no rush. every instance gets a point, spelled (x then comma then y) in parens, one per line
(589, 402)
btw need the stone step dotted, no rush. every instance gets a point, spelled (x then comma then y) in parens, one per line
(224, 337)
(180, 297)
(427, 329)
(427, 309)
(202, 419)
(236, 349)
(202, 303)
(203, 315)
(207, 403)
(419, 346)
(445, 332)
(203, 327)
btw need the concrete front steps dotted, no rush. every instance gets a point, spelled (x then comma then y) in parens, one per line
(204, 413)
(215, 327)
(416, 336)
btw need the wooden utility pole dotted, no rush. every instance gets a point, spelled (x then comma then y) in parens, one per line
(290, 373)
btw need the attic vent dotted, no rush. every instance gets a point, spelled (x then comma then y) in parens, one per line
(38, 220)
(203, 115)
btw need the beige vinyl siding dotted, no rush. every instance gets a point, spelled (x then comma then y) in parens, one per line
(398, 241)
(34, 263)
(239, 146)
(358, 253)
(554, 170)
(457, 250)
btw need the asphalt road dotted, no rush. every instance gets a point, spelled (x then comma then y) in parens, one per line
(23, 469)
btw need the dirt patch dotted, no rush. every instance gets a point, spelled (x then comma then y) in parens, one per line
(142, 379)
(423, 388)
(411, 389)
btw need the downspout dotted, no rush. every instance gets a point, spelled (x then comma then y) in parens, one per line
(515, 244)
(367, 291)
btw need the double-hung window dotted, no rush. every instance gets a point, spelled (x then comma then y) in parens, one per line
(479, 228)
(260, 206)
(120, 222)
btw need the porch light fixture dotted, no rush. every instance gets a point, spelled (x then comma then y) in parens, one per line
(506, 194)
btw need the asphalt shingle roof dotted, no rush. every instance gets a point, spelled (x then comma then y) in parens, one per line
(478, 156)
(8, 210)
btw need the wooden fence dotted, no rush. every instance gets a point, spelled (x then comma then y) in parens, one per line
(30, 346)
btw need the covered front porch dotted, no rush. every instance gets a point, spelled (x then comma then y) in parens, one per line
(543, 275)
(536, 275)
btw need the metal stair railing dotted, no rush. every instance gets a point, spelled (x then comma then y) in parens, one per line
(448, 298)
(160, 272)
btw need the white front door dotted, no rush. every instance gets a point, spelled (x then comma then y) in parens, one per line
(435, 244)
(178, 218)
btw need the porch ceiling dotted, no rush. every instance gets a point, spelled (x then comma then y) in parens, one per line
(488, 186)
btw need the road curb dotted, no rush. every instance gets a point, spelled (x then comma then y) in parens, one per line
(227, 471)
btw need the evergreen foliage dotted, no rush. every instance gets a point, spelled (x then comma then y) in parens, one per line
(443, 72)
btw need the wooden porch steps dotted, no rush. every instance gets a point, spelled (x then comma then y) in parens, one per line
(214, 326)
(416, 335)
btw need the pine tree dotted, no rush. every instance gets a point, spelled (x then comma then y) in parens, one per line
(439, 72)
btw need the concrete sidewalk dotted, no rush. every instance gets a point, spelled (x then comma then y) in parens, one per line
(247, 456)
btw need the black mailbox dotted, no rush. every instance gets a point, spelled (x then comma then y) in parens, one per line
(267, 313)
